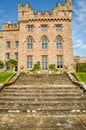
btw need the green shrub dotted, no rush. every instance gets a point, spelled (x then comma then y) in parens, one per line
(36, 67)
(1, 65)
(52, 67)
(80, 67)
(12, 63)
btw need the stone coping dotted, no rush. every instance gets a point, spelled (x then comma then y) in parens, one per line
(80, 84)
(10, 82)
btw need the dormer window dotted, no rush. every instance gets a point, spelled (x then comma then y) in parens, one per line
(58, 28)
(44, 28)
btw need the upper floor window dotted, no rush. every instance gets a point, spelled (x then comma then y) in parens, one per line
(58, 28)
(44, 28)
(8, 45)
(7, 56)
(16, 56)
(59, 61)
(30, 28)
(59, 42)
(30, 43)
(17, 44)
(44, 43)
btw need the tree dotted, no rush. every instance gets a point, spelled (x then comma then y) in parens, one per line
(11, 64)
(1, 65)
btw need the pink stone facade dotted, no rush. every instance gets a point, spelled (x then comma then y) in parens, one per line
(61, 16)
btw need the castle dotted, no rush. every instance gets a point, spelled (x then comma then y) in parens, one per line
(39, 37)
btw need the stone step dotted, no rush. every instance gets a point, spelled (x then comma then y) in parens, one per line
(3, 101)
(41, 93)
(42, 90)
(42, 96)
(44, 106)
(43, 79)
(41, 87)
(46, 111)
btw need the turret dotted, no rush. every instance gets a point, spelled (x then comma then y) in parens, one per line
(25, 12)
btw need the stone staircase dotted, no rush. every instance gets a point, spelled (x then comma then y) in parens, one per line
(43, 79)
(42, 102)
(50, 96)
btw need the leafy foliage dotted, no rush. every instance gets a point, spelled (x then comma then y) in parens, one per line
(11, 63)
(81, 67)
(36, 67)
(1, 65)
(53, 67)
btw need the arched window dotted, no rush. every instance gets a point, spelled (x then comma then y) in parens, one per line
(44, 43)
(59, 42)
(30, 43)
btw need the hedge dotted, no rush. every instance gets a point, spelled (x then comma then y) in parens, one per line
(80, 67)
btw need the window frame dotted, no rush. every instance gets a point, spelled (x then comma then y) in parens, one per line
(59, 61)
(7, 56)
(16, 56)
(8, 45)
(44, 28)
(30, 28)
(59, 44)
(29, 62)
(44, 62)
(17, 44)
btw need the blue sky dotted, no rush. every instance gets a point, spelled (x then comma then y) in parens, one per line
(9, 12)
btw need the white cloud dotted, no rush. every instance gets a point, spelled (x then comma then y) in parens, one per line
(79, 26)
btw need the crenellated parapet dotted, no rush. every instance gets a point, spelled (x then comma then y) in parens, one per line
(25, 12)
(10, 27)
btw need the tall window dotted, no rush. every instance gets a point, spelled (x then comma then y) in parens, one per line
(29, 62)
(44, 43)
(59, 61)
(17, 44)
(7, 56)
(59, 44)
(58, 28)
(8, 45)
(44, 62)
(30, 28)
(44, 28)
(16, 56)
(30, 43)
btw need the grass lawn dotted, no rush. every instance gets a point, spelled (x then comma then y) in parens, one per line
(81, 76)
(6, 76)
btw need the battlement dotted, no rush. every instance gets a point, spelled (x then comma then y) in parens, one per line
(25, 12)
(10, 27)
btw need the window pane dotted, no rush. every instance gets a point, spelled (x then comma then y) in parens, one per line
(58, 28)
(44, 62)
(44, 43)
(7, 56)
(30, 44)
(30, 29)
(17, 44)
(16, 56)
(29, 62)
(8, 45)
(59, 44)
(59, 61)
(44, 28)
